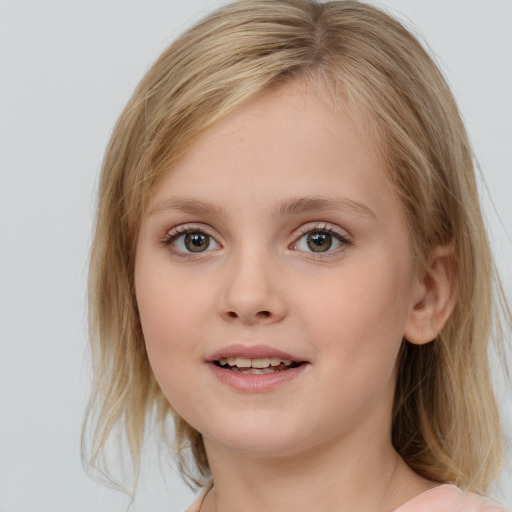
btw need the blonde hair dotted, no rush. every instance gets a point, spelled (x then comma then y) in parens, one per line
(445, 418)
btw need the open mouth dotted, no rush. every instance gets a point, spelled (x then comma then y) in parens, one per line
(258, 366)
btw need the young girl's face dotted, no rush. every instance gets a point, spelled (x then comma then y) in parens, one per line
(277, 244)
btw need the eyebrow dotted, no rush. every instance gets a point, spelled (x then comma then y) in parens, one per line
(299, 205)
(292, 206)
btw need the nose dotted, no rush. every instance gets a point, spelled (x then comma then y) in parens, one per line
(252, 293)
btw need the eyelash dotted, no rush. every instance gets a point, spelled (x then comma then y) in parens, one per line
(321, 227)
(176, 233)
(173, 235)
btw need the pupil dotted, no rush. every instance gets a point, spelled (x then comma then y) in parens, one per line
(319, 242)
(197, 242)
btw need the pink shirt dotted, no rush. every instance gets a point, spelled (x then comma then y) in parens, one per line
(449, 498)
(444, 498)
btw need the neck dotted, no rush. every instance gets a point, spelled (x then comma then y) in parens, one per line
(347, 476)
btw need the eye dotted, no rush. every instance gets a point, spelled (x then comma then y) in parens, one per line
(320, 240)
(190, 240)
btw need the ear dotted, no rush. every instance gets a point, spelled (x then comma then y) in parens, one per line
(433, 297)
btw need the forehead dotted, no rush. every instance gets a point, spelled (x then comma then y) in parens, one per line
(292, 137)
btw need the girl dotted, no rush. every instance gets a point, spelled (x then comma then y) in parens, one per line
(290, 260)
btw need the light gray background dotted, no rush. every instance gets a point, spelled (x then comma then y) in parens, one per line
(67, 68)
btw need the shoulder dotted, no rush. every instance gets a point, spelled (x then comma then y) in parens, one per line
(195, 507)
(449, 498)
(444, 498)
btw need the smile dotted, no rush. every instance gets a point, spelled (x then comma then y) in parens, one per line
(257, 366)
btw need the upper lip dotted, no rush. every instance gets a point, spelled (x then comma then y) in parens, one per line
(252, 352)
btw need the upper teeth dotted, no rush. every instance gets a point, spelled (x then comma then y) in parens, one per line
(244, 362)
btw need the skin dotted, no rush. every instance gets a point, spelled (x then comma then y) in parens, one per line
(320, 441)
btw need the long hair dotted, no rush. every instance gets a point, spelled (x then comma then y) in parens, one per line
(445, 418)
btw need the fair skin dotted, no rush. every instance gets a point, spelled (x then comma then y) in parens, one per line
(279, 232)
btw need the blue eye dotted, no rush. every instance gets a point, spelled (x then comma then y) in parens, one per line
(320, 241)
(191, 241)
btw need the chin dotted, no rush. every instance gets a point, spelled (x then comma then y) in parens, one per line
(262, 440)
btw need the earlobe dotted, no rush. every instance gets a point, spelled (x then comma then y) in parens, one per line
(434, 297)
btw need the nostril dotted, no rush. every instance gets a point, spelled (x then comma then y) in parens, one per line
(264, 314)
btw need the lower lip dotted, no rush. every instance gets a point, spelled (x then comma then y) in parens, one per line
(256, 383)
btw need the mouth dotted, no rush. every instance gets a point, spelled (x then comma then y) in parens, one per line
(256, 366)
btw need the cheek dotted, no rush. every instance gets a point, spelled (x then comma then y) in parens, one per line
(171, 316)
(360, 313)
(172, 342)
(357, 325)
(170, 308)
(166, 320)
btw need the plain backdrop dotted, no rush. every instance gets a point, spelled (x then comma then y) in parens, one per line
(67, 69)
